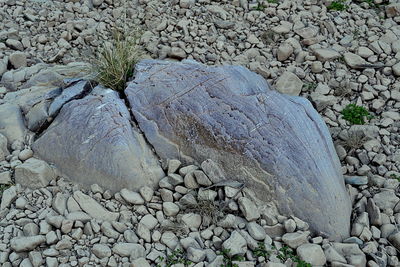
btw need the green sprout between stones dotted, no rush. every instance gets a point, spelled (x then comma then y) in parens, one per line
(339, 5)
(228, 260)
(285, 253)
(394, 176)
(176, 257)
(355, 114)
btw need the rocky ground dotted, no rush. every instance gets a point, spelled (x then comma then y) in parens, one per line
(333, 58)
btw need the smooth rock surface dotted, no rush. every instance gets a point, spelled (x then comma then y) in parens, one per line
(92, 141)
(274, 143)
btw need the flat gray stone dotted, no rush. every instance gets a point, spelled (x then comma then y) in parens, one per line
(8, 196)
(34, 173)
(289, 83)
(92, 142)
(3, 147)
(12, 123)
(93, 208)
(277, 144)
(20, 244)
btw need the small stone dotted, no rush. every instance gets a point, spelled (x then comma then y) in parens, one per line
(96, 189)
(192, 220)
(36, 258)
(60, 203)
(132, 197)
(396, 69)
(101, 251)
(5, 178)
(8, 196)
(356, 180)
(130, 236)
(14, 44)
(284, 52)
(25, 154)
(288, 83)
(354, 61)
(365, 52)
(186, 3)
(170, 208)
(143, 232)
(332, 255)
(177, 52)
(149, 221)
(147, 193)
(51, 238)
(235, 244)
(93, 208)
(256, 231)
(31, 229)
(169, 239)
(202, 178)
(386, 199)
(195, 254)
(20, 244)
(97, 3)
(34, 173)
(249, 209)
(312, 254)
(18, 60)
(173, 165)
(294, 240)
(190, 181)
(127, 249)
(290, 225)
(316, 67)
(63, 244)
(393, 10)
(326, 54)
(140, 262)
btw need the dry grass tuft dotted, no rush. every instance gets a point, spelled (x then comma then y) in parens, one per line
(117, 59)
(210, 212)
(355, 140)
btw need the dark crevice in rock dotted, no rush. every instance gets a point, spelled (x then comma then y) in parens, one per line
(135, 124)
(86, 91)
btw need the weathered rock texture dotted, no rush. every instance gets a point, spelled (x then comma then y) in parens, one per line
(277, 144)
(92, 141)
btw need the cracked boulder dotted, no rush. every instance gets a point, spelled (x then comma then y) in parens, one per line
(92, 141)
(276, 144)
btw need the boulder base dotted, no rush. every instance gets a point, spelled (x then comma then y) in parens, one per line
(276, 144)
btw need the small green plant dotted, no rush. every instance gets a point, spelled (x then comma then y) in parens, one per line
(310, 86)
(261, 251)
(394, 176)
(285, 253)
(339, 5)
(177, 256)
(260, 6)
(355, 114)
(228, 260)
(117, 60)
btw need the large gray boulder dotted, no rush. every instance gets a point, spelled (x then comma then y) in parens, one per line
(93, 141)
(277, 144)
